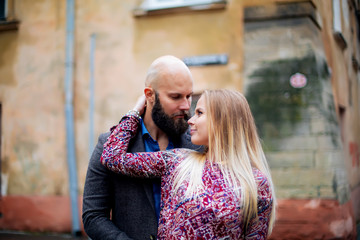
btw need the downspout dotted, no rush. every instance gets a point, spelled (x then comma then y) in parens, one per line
(70, 136)
(92, 93)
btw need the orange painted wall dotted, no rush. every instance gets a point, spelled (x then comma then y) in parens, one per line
(32, 58)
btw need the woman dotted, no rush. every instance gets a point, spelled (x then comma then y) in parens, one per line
(225, 192)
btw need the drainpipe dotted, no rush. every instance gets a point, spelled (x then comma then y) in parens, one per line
(92, 93)
(69, 113)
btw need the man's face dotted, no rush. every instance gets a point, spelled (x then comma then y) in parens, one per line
(170, 100)
(173, 123)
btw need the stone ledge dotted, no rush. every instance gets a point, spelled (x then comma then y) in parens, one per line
(141, 12)
(283, 11)
(9, 25)
(339, 37)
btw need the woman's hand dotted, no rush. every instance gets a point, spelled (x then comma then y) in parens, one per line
(140, 105)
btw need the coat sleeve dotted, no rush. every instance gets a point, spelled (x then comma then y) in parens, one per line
(143, 164)
(97, 199)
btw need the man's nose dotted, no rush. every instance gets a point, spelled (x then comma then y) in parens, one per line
(185, 104)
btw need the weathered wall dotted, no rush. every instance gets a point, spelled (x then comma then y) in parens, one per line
(298, 125)
(303, 135)
(125, 47)
(312, 146)
(33, 155)
(345, 78)
(33, 148)
(31, 88)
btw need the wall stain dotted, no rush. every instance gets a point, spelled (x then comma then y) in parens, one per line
(276, 104)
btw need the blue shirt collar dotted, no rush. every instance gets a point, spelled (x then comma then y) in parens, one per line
(148, 140)
(144, 131)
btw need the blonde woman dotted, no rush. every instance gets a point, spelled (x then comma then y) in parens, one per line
(225, 192)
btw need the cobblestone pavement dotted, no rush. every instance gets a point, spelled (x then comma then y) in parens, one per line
(5, 235)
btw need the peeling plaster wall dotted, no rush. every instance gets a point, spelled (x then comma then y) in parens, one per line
(299, 126)
(310, 145)
(345, 79)
(32, 77)
(33, 147)
(313, 152)
(125, 48)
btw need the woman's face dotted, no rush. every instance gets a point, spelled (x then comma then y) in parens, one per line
(198, 124)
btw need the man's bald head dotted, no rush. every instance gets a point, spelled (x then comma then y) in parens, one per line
(165, 68)
(168, 90)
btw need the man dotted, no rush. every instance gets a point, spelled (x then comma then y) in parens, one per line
(120, 207)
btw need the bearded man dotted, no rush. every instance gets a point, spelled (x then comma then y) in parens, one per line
(121, 207)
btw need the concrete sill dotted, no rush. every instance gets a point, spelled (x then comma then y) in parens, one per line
(9, 25)
(141, 12)
(340, 40)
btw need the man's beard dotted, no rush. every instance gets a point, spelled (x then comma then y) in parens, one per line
(172, 127)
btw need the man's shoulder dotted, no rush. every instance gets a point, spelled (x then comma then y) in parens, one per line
(104, 135)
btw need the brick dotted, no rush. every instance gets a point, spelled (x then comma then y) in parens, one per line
(318, 126)
(286, 159)
(328, 142)
(296, 143)
(297, 177)
(329, 159)
(299, 129)
(293, 193)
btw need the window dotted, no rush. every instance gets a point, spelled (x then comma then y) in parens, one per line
(163, 4)
(338, 15)
(3, 10)
(159, 6)
(7, 16)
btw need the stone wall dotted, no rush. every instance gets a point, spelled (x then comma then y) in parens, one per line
(298, 125)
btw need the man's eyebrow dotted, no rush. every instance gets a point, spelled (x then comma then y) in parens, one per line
(178, 93)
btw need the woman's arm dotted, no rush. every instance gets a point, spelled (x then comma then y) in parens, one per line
(258, 227)
(116, 158)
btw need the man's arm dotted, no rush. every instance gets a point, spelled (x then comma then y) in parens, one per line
(98, 198)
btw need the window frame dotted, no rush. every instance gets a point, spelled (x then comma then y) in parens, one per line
(155, 7)
(338, 21)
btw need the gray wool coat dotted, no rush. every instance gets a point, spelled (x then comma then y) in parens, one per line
(129, 201)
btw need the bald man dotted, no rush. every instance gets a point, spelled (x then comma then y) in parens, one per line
(120, 207)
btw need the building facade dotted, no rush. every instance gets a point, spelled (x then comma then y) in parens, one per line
(296, 61)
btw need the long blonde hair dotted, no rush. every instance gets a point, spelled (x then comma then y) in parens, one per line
(235, 146)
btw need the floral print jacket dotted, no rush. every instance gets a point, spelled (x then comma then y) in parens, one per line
(215, 213)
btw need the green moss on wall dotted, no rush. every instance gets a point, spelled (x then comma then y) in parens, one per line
(276, 105)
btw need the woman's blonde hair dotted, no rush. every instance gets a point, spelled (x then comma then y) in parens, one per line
(235, 146)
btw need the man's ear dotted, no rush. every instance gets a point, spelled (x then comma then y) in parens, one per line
(149, 94)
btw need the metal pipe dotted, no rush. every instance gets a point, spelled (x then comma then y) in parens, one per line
(70, 136)
(92, 94)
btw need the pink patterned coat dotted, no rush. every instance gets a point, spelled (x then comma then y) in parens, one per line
(213, 214)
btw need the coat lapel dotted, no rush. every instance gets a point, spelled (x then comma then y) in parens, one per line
(137, 145)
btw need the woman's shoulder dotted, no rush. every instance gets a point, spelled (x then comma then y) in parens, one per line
(259, 176)
(263, 183)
